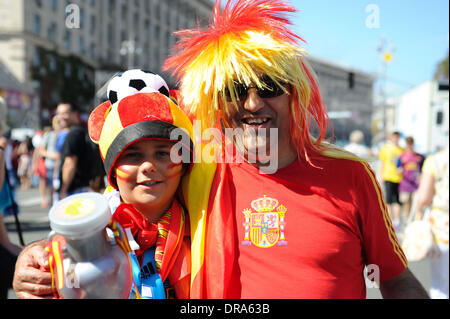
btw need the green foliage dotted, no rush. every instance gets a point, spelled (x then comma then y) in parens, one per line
(442, 69)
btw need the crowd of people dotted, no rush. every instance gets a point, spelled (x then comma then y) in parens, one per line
(319, 215)
(38, 160)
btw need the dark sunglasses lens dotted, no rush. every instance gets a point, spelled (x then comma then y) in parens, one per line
(271, 89)
(241, 92)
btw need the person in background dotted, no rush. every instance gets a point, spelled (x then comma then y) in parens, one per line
(24, 169)
(8, 250)
(80, 158)
(409, 165)
(433, 192)
(66, 118)
(9, 158)
(47, 151)
(357, 145)
(389, 155)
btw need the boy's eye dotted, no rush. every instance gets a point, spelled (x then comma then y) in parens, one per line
(132, 154)
(161, 154)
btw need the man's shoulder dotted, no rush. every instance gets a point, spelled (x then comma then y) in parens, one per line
(76, 132)
(337, 169)
(77, 129)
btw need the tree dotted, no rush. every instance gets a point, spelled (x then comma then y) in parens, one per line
(442, 70)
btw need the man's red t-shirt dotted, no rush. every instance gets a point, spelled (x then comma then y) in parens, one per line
(307, 232)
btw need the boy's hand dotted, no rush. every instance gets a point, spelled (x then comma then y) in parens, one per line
(32, 278)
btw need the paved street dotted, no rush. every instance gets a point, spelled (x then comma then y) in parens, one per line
(35, 226)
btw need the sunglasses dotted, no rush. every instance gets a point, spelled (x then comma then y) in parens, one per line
(270, 89)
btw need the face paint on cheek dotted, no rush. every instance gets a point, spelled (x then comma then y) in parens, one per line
(123, 173)
(174, 170)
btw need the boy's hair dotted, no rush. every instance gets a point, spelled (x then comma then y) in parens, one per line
(134, 118)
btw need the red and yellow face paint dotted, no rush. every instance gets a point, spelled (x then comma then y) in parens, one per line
(124, 173)
(174, 170)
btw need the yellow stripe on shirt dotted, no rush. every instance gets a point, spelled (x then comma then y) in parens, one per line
(387, 220)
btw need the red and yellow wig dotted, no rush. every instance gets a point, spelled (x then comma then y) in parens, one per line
(245, 40)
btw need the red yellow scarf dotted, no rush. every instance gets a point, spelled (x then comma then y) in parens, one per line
(169, 235)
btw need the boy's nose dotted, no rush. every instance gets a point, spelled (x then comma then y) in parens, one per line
(253, 103)
(148, 167)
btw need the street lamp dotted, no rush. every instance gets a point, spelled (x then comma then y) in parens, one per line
(387, 55)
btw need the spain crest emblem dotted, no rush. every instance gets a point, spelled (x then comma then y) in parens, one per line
(264, 223)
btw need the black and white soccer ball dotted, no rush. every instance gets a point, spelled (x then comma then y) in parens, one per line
(130, 82)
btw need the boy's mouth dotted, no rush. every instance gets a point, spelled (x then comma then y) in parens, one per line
(149, 183)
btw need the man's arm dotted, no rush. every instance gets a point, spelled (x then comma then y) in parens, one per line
(32, 278)
(403, 286)
(68, 173)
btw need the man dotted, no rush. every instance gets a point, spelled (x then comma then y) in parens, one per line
(306, 230)
(389, 155)
(291, 233)
(79, 156)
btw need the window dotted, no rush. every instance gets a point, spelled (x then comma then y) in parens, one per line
(124, 12)
(53, 5)
(81, 45)
(52, 63)
(37, 24)
(81, 18)
(67, 39)
(67, 70)
(439, 118)
(93, 50)
(351, 80)
(93, 24)
(36, 58)
(52, 31)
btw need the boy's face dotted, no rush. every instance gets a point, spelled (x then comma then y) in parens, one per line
(147, 178)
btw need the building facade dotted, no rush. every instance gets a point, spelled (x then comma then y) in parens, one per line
(65, 50)
(348, 96)
(423, 113)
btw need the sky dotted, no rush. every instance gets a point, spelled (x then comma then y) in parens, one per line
(347, 32)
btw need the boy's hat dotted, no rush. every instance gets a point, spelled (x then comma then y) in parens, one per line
(133, 115)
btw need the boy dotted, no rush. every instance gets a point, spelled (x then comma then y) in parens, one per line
(133, 135)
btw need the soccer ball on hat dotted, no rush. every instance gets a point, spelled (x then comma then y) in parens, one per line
(130, 82)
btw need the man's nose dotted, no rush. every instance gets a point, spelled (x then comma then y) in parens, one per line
(253, 103)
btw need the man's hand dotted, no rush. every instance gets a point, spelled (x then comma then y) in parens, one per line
(32, 278)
